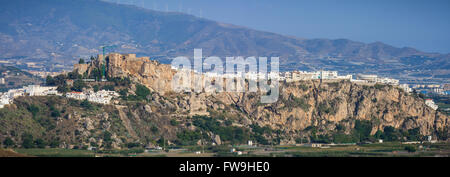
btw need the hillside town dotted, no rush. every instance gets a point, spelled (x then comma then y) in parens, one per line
(294, 76)
(364, 79)
(101, 96)
(105, 97)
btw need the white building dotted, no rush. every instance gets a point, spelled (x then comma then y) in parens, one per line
(367, 77)
(304, 75)
(250, 143)
(389, 81)
(37, 90)
(14, 93)
(328, 74)
(273, 75)
(406, 88)
(431, 104)
(76, 95)
(233, 150)
(102, 96)
(375, 79)
(348, 77)
(359, 81)
(4, 100)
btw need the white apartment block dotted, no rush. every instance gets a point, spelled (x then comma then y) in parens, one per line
(431, 104)
(369, 78)
(37, 90)
(389, 81)
(304, 75)
(102, 96)
(14, 93)
(76, 95)
(406, 88)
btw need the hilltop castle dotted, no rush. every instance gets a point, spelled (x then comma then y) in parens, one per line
(151, 73)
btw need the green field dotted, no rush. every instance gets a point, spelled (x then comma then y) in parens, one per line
(54, 152)
(389, 149)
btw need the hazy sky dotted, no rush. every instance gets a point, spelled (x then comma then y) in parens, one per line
(421, 24)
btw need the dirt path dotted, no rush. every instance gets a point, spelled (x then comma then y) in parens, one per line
(126, 121)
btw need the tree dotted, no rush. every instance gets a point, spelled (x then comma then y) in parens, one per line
(74, 75)
(142, 91)
(78, 86)
(50, 81)
(54, 144)
(96, 88)
(108, 140)
(81, 61)
(55, 113)
(173, 122)
(96, 74)
(410, 148)
(363, 129)
(414, 134)
(34, 109)
(40, 143)
(390, 134)
(123, 92)
(154, 129)
(187, 137)
(107, 136)
(8, 142)
(60, 79)
(378, 134)
(86, 105)
(121, 81)
(64, 88)
(27, 141)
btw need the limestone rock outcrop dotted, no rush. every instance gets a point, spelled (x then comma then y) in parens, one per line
(300, 105)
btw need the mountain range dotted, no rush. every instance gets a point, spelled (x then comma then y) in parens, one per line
(60, 31)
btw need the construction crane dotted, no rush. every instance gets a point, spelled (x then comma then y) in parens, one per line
(103, 62)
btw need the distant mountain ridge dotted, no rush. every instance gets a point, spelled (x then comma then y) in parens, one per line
(65, 30)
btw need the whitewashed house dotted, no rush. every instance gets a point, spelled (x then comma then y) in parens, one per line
(431, 104)
(76, 95)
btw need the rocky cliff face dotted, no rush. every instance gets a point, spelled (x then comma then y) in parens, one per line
(326, 105)
(151, 73)
(305, 109)
(300, 105)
